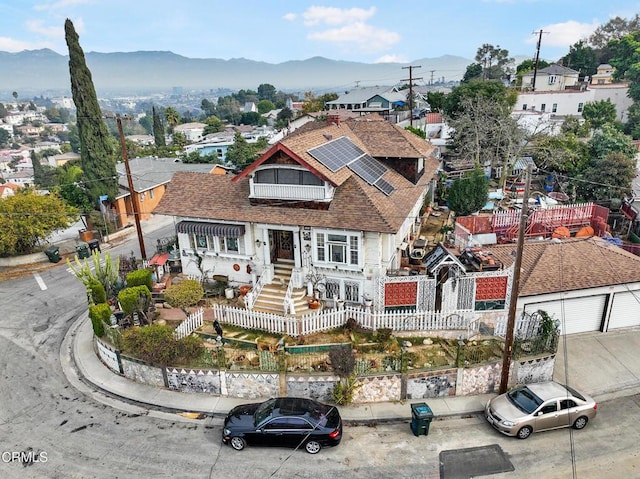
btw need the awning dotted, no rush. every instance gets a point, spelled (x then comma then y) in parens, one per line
(159, 259)
(210, 229)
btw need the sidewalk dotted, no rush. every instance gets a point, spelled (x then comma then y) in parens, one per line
(83, 368)
(605, 366)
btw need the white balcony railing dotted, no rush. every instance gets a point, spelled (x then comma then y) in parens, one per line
(290, 192)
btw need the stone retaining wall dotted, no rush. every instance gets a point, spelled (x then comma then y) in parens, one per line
(374, 388)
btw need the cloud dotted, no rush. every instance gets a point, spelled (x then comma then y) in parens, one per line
(12, 45)
(565, 34)
(61, 4)
(290, 16)
(391, 58)
(359, 35)
(336, 16)
(347, 28)
(37, 26)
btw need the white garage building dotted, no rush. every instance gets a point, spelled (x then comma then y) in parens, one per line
(588, 284)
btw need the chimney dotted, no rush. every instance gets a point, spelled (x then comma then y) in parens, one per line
(333, 118)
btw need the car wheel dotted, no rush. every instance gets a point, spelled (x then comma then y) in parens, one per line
(313, 447)
(525, 432)
(581, 422)
(238, 443)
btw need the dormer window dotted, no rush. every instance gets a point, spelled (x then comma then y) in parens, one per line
(286, 176)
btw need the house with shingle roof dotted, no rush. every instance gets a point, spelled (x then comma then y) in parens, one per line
(150, 177)
(340, 199)
(374, 99)
(587, 284)
(552, 78)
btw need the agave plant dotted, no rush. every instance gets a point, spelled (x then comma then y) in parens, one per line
(105, 272)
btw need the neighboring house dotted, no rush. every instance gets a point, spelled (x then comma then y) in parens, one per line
(8, 189)
(218, 143)
(8, 128)
(142, 140)
(62, 158)
(381, 100)
(551, 78)
(191, 131)
(150, 177)
(587, 284)
(341, 199)
(604, 75)
(560, 104)
(250, 107)
(21, 177)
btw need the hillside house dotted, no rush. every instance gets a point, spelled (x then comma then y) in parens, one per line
(150, 177)
(382, 100)
(341, 199)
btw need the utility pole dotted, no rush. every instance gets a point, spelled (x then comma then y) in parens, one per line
(515, 287)
(535, 66)
(410, 80)
(132, 194)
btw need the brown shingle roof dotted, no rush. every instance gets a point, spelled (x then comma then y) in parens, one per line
(355, 205)
(554, 266)
(385, 140)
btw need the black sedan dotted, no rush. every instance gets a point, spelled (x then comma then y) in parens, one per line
(286, 421)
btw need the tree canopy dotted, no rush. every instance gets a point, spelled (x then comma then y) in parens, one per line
(96, 144)
(27, 219)
(468, 194)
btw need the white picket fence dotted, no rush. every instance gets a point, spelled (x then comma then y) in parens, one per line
(331, 319)
(189, 325)
(525, 327)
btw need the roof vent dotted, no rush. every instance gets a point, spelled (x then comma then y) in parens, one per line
(328, 136)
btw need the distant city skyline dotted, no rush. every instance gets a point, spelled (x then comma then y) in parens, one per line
(278, 31)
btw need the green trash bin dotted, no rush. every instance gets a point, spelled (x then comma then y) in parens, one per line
(53, 253)
(421, 417)
(82, 250)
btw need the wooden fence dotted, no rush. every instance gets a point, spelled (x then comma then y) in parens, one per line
(331, 319)
(189, 325)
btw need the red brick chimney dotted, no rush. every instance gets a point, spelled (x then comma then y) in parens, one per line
(333, 118)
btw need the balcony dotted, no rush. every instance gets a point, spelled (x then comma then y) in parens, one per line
(290, 192)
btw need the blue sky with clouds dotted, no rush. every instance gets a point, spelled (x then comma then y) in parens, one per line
(275, 31)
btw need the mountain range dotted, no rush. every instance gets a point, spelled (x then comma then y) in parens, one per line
(37, 72)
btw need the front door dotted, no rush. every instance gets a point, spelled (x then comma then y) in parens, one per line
(281, 244)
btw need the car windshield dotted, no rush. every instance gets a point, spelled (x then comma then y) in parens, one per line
(524, 399)
(263, 411)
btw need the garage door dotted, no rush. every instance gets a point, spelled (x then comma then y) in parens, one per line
(580, 314)
(625, 310)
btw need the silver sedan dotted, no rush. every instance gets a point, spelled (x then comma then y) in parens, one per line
(539, 407)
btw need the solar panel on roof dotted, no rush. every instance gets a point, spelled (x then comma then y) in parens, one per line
(368, 168)
(384, 186)
(337, 153)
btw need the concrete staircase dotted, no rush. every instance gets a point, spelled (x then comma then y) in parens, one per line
(271, 298)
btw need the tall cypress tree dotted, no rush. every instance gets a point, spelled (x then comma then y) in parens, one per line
(158, 129)
(97, 156)
(38, 170)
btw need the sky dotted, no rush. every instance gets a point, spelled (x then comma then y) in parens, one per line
(275, 31)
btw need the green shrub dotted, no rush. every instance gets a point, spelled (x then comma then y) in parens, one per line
(184, 294)
(343, 390)
(99, 314)
(140, 277)
(157, 345)
(128, 298)
(97, 291)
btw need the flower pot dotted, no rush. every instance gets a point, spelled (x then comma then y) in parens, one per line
(229, 293)
(244, 289)
(313, 303)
